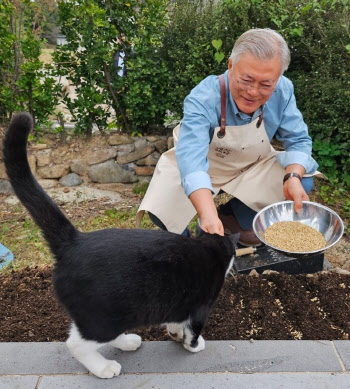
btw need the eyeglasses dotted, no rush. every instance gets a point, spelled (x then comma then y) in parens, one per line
(264, 90)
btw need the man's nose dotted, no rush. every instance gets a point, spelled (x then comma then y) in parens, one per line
(253, 91)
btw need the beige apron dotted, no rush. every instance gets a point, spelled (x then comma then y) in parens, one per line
(242, 163)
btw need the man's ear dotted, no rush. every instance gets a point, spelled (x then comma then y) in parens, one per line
(230, 64)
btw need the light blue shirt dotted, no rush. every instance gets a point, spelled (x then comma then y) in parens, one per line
(202, 112)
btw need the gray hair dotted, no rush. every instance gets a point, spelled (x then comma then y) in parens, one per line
(264, 44)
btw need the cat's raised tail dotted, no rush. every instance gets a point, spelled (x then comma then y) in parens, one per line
(53, 223)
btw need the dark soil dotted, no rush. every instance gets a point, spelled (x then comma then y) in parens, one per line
(268, 306)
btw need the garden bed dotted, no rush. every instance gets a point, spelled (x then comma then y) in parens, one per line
(268, 306)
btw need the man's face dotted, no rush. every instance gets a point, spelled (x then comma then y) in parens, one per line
(252, 81)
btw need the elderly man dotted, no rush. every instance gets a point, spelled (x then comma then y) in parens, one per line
(223, 144)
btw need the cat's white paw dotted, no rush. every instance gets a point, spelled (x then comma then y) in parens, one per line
(129, 342)
(175, 331)
(111, 369)
(133, 342)
(200, 345)
(176, 336)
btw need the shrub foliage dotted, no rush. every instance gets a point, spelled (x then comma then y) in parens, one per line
(320, 67)
(25, 83)
(169, 47)
(96, 30)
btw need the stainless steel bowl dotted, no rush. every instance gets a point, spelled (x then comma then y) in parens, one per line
(315, 215)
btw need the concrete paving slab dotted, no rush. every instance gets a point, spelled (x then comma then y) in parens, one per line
(232, 356)
(37, 358)
(18, 382)
(343, 348)
(171, 357)
(203, 381)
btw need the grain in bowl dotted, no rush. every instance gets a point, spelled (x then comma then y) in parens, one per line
(294, 237)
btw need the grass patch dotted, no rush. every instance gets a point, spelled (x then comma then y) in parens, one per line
(140, 188)
(30, 249)
(114, 218)
(26, 242)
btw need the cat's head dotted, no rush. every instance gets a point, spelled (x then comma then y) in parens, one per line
(231, 238)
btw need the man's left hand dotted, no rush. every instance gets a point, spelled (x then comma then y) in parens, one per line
(293, 190)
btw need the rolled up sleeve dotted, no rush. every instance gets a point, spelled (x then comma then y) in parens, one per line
(196, 180)
(193, 144)
(293, 133)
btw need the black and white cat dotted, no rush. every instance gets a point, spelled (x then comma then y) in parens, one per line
(115, 280)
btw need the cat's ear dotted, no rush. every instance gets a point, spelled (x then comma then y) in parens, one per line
(234, 238)
(227, 232)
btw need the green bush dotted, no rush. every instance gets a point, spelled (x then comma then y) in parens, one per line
(25, 83)
(170, 47)
(188, 49)
(320, 72)
(92, 28)
(320, 66)
(324, 103)
(145, 98)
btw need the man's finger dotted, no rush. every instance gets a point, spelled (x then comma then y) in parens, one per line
(298, 205)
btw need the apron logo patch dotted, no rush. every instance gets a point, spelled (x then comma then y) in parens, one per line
(221, 152)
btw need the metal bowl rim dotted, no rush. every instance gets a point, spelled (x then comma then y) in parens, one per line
(296, 253)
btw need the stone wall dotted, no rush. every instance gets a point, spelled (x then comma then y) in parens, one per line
(69, 161)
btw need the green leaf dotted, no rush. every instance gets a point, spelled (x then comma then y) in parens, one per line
(297, 31)
(217, 43)
(219, 57)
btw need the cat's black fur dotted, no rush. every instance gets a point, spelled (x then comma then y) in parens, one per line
(114, 280)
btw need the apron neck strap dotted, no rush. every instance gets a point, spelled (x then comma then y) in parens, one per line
(221, 133)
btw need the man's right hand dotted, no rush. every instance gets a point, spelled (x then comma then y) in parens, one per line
(202, 200)
(212, 225)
